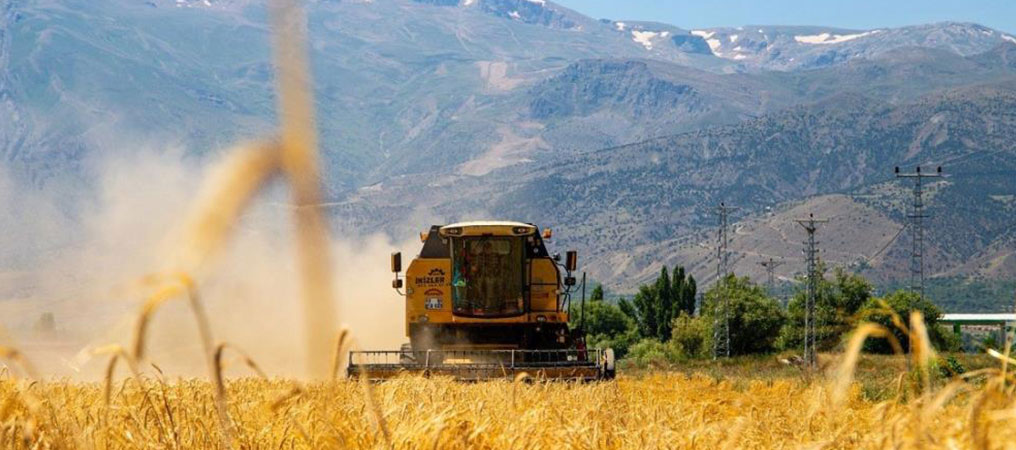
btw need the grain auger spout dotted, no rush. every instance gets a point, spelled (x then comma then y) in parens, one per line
(485, 300)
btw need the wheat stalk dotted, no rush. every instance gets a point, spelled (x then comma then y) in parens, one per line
(15, 356)
(298, 139)
(183, 285)
(341, 342)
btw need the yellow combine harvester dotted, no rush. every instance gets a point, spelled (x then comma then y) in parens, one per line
(486, 300)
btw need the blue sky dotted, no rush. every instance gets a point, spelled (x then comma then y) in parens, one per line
(858, 14)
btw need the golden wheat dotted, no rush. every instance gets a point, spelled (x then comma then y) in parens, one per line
(661, 410)
(654, 411)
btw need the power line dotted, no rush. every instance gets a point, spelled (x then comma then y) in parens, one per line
(811, 251)
(917, 227)
(721, 321)
(886, 246)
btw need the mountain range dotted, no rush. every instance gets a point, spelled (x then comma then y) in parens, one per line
(623, 135)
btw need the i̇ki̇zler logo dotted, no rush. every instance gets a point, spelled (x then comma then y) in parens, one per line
(435, 277)
(433, 299)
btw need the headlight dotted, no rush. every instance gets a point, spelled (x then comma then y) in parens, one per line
(424, 319)
(541, 318)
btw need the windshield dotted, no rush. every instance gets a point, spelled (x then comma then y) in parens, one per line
(487, 276)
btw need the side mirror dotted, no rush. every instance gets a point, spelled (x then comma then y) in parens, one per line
(569, 281)
(396, 284)
(548, 233)
(571, 260)
(397, 262)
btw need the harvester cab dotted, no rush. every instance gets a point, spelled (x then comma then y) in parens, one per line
(486, 300)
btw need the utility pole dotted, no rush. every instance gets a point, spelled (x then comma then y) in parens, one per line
(770, 267)
(811, 252)
(917, 217)
(721, 321)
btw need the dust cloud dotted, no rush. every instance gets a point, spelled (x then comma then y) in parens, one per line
(77, 257)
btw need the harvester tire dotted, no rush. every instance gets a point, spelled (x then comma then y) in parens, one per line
(609, 371)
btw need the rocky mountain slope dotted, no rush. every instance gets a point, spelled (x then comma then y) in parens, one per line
(399, 81)
(847, 144)
(794, 48)
(623, 134)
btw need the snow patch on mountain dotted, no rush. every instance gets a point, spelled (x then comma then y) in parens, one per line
(646, 37)
(1009, 38)
(714, 44)
(828, 38)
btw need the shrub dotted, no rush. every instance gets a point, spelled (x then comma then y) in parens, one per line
(901, 303)
(653, 353)
(692, 336)
(621, 343)
(950, 367)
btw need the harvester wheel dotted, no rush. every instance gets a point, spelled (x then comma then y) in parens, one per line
(609, 371)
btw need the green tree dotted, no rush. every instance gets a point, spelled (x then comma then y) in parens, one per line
(684, 291)
(621, 343)
(601, 317)
(643, 310)
(664, 305)
(691, 336)
(689, 295)
(755, 318)
(837, 303)
(605, 325)
(852, 292)
(902, 303)
(656, 305)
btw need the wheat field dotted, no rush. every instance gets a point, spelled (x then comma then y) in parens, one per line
(658, 410)
(145, 409)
